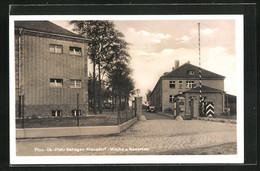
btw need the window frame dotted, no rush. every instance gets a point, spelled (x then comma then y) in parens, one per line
(75, 51)
(75, 114)
(55, 48)
(171, 98)
(56, 83)
(58, 113)
(190, 83)
(75, 83)
(172, 83)
(180, 85)
(191, 72)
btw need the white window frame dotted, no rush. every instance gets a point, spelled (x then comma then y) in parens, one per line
(74, 52)
(74, 112)
(171, 98)
(74, 83)
(172, 83)
(56, 48)
(57, 113)
(56, 83)
(190, 84)
(191, 72)
(180, 85)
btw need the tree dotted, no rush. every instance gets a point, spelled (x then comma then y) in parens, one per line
(107, 44)
(148, 96)
(121, 83)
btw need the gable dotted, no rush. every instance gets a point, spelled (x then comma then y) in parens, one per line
(44, 26)
(191, 71)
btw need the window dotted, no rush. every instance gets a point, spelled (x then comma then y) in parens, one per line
(55, 48)
(190, 84)
(191, 72)
(172, 84)
(75, 50)
(75, 83)
(56, 82)
(180, 84)
(74, 112)
(171, 97)
(56, 113)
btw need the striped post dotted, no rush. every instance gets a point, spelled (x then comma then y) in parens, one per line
(200, 89)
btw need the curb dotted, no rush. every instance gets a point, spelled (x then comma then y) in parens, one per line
(217, 120)
(73, 131)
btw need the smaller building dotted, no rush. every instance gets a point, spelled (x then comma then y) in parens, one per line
(182, 79)
(217, 97)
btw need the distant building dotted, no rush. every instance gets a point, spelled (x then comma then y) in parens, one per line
(180, 80)
(50, 70)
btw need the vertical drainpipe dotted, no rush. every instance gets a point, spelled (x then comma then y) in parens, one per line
(223, 107)
(19, 66)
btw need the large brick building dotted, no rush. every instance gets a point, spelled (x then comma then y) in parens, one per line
(180, 80)
(50, 70)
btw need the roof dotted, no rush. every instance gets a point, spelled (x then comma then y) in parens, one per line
(182, 72)
(204, 89)
(231, 98)
(44, 26)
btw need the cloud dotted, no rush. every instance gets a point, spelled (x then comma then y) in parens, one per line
(143, 33)
(184, 38)
(143, 53)
(163, 36)
(208, 31)
(156, 41)
(147, 37)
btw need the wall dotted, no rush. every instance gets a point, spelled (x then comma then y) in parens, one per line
(167, 91)
(40, 65)
(156, 96)
(217, 98)
(217, 84)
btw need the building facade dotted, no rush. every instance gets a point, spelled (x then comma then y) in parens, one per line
(50, 70)
(181, 79)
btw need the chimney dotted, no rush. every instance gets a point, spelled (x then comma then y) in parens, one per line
(176, 64)
(172, 68)
(188, 62)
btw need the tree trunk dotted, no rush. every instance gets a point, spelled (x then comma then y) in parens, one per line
(99, 92)
(94, 88)
(113, 100)
(126, 108)
(119, 107)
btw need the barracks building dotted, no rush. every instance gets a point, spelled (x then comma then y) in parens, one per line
(50, 70)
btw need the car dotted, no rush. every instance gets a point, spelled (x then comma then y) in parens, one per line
(150, 109)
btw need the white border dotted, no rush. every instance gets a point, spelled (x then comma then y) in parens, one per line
(136, 159)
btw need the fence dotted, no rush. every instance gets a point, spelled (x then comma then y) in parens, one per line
(107, 118)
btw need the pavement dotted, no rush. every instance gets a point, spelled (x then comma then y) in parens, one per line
(155, 136)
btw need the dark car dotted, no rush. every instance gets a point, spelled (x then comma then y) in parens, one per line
(150, 109)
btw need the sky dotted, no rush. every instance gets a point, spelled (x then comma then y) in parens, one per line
(156, 44)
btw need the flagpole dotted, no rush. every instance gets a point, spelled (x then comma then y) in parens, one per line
(200, 87)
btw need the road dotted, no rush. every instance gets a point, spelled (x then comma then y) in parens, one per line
(155, 116)
(155, 136)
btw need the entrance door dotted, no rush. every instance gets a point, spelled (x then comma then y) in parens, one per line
(192, 107)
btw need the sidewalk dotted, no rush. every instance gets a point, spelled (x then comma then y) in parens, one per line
(202, 118)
